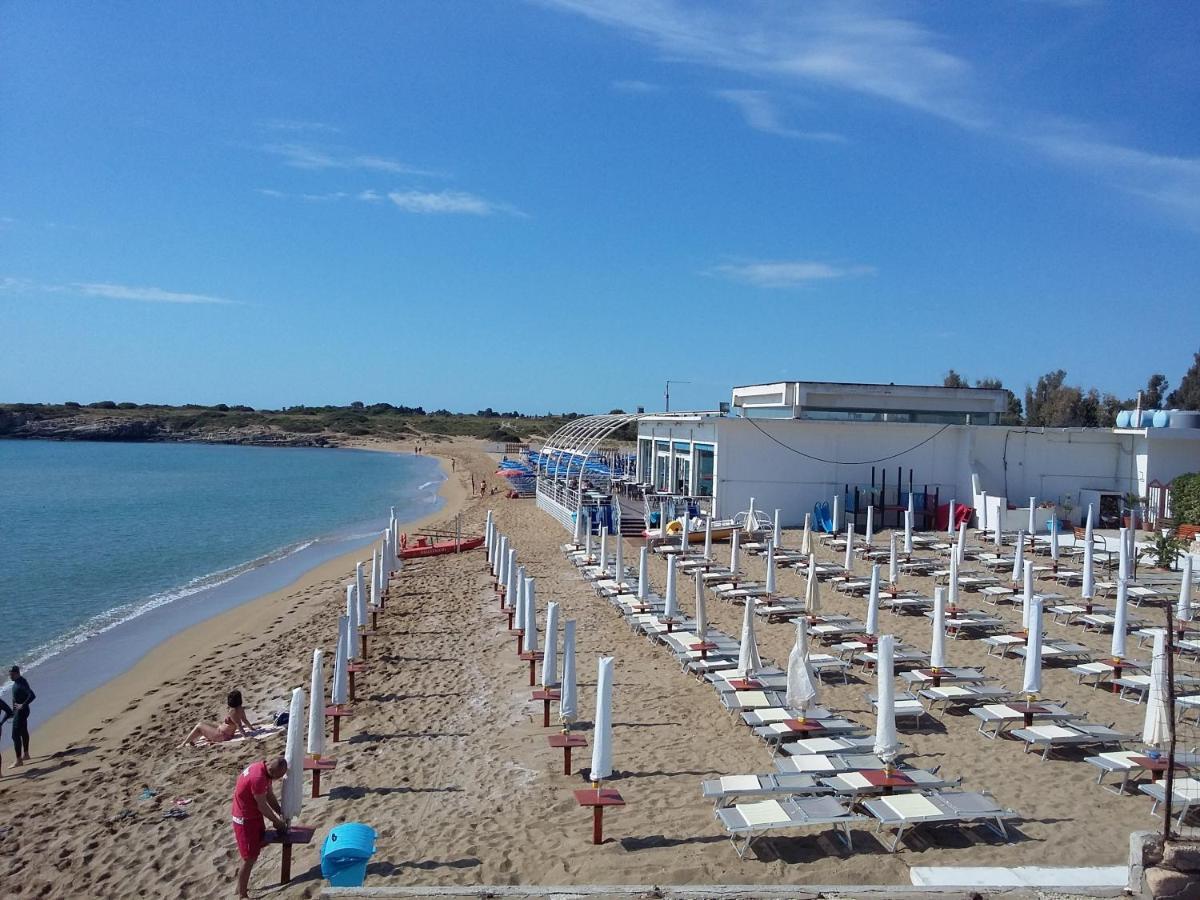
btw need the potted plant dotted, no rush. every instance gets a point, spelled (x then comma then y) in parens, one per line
(1164, 552)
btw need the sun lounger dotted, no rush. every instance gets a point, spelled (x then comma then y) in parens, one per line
(1002, 644)
(1135, 687)
(1001, 716)
(907, 706)
(1185, 793)
(901, 780)
(758, 717)
(948, 675)
(1098, 672)
(910, 605)
(1059, 651)
(906, 811)
(1133, 763)
(1101, 622)
(776, 733)
(902, 655)
(752, 820)
(771, 679)
(964, 696)
(737, 701)
(727, 788)
(1075, 734)
(826, 763)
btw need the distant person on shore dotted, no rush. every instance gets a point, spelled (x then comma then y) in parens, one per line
(254, 799)
(236, 721)
(6, 713)
(22, 696)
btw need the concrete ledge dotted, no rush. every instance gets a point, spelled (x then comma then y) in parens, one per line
(691, 891)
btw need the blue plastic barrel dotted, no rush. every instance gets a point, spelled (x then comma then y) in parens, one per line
(345, 854)
(1162, 418)
(1124, 417)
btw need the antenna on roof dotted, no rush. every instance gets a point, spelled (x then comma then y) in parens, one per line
(667, 392)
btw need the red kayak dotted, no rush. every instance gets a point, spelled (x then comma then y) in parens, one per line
(422, 549)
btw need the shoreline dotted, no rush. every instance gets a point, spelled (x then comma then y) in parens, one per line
(175, 650)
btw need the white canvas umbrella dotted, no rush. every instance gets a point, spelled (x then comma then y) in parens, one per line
(1054, 537)
(643, 588)
(1120, 619)
(777, 531)
(801, 683)
(893, 561)
(292, 793)
(1027, 590)
(1032, 519)
(835, 514)
(618, 559)
(671, 601)
(953, 585)
(1089, 573)
(550, 659)
(950, 517)
(848, 562)
(770, 585)
(316, 706)
(806, 538)
(374, 578)
(1031, 685)
(519, 598)
(750, 517)
(1018, 558)
(581, 526)
(910, 513)
(908, 532)
(340, 694)
(983, 520)
(502, 560)
(870, 524)
(812, 592)
(602, 738)
(708, 539)
(587, 547)
(887, 745)
(748, 660)
(685, 533)
(701, 611)
(997, 533)
(962, 542)
(1123, 556)
(352, 615)
(1156, 730)
(1183, 609)
(510, 580)
(489, 524)
(603, 550)
(360, 593)
(529, 639)
(937, 653)
(568, 703)
(873, 604)
(735, 553)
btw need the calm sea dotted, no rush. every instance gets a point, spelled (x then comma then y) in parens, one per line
(94, 536)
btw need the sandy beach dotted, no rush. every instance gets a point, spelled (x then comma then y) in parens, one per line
(447, 758)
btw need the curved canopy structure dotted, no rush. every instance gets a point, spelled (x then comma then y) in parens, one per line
(571, 451)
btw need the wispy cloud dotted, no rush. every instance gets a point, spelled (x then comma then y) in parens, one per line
(312, 198)
(635, 86)
(298, 125)
(785, 273)
(306, 156)
(761, 114)
(448, 202)
(110, 291)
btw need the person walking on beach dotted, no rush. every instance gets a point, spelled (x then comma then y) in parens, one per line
(6, 713)
(254, 799)
(22, 696)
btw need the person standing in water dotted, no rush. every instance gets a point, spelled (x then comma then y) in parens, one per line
(22, 696)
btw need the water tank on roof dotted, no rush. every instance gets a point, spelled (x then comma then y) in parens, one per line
(1123, 418)
(1185, 419)
(1162, 418)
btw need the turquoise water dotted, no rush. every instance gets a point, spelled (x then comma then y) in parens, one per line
(94, 535)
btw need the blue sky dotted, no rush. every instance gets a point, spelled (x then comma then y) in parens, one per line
(561, 204)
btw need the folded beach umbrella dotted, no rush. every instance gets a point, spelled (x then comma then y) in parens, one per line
(316, 706)
(1032, 519)
(374, 578)
(587, 546)
(568, 704)
(1089, 572)
(1031, 685)
(950, 517)
(961, 552)
(812, 590)
(501, 559)
(1120, 619)
(1054, 537)
(1018, 558)
(293, 782)
(1027, 590)
(671, 602)
(550, 657)
(618, 559)
(806, 546)
(510, 578)
(983, 519)
(748, 660)
(643, 588)
(908, 531)
(1183, 609)
(835, 514)
(801, 682)
(997, 533)
(953, 583)
(848, 562)
(489, 524)
(770, 585)
(603, 550)
(581, 526)
(750, 517)
(873, 603)
(360, 592)
(1156, 730)
(519, 599)
(937, 653)
(735, 552)
(870, 524)
(887, 745)
(893, 561)
(708, 538)
(777, 532)
(341, 684)
(685, 533)
(1123, 556)
(529, 640)
(602, 737)
(701, 611)
(352, 615)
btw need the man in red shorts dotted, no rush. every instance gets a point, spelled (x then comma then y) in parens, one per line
(252, 800)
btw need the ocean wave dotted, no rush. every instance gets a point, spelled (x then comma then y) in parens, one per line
(430, 484)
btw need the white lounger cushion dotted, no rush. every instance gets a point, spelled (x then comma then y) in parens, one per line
(765, 812)
(951, 691)
(751, 698)
(1050, 732)
(740, 783)
(855, 779)
(812, 763)
(773, 714)
(912, 806)
(822, 745)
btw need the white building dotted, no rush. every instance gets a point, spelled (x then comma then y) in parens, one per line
(792, 444)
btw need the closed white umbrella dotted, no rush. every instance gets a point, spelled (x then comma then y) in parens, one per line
(352, 615)
(374, 579)
(873, 604)
(735, 552)
(812, 591)
(1156, 730)
(801, 683)
(997, 532)
(550, 658)
(911, 508)
(1089, 573)
(887, 745)
(643, 588)
(1032, 519)
(748, 660)
(1120, 619)
(770, 586)
(962, 542)
(1054, 537)
(292, 793)
(908, 532)
(983, 515)
(510, 582)
(777, 531)
(568, 703)
(950, 517)
(316, 706)
(937, 653)
(1027, 589)
(953, 584)
(806, 546)
(360, 593)
(870, 524)
(893, 561)
(602, 738)
(618, 559)
(529, 639)
(603, 550)
(581, 525)
(1018, 558)
(750, 517)
(835, 514)
(340, 694)
(685, 533)
(671, 601)
(1123, 556)
(489, 524)
(708, 539)
(848, 562)
(701, 611)
(1031, 685)
(502, 560)
(1183, 609)
(588, 556)
(519, 598)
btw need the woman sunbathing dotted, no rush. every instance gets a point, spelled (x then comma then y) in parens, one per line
(235, 721)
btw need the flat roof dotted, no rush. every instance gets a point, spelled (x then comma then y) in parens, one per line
(870, 384)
